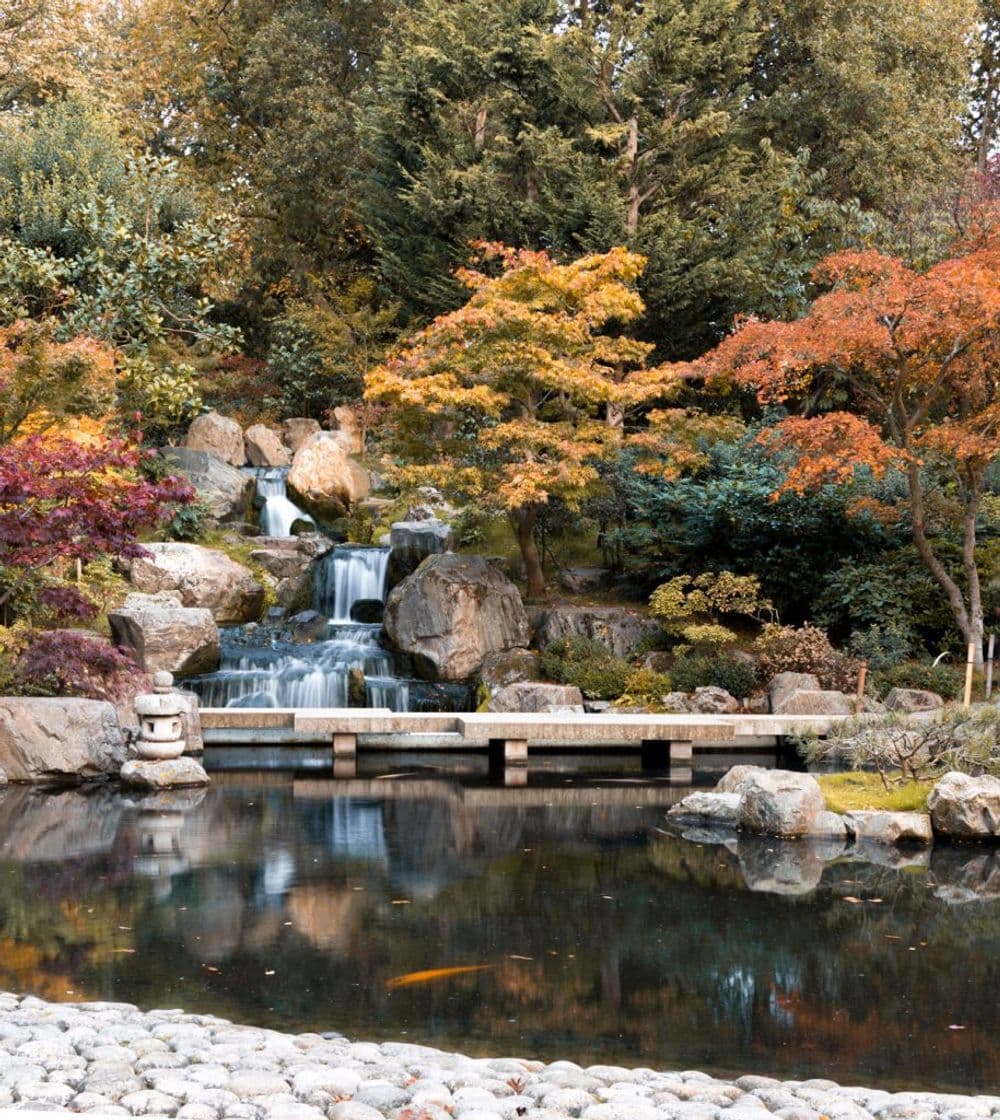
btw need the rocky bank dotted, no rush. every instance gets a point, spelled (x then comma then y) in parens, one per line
(110, 1059)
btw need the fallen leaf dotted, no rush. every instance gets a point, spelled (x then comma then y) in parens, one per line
(518, 957)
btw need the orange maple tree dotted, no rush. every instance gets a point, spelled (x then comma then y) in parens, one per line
(512, 399)
(890, 369)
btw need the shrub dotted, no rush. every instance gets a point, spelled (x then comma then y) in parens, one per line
(595, 671)
(696, 670)
(648, 684)
(67, 663)
(945, 680)
(883, 645)
(692, 607)
(804, 649)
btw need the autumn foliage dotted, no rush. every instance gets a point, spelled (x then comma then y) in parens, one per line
(512, 399)
(891, 368)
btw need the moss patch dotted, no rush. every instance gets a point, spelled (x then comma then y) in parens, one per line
(857, 790)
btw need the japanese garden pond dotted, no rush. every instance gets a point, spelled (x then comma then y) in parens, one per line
(586, 929)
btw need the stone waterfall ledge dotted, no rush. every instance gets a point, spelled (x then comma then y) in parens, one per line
(110, 1059)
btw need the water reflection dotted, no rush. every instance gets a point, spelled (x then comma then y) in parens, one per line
(292, 903)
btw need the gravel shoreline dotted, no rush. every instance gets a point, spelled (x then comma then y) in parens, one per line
(114, 1060)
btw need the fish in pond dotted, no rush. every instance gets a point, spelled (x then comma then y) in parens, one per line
(430, 974)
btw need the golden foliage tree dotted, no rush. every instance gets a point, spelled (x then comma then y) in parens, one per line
(511, 400)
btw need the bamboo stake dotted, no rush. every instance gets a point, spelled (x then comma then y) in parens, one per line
(969, 666)
(862, 679)
(989, 665)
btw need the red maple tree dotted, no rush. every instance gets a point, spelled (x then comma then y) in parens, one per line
(890, 368)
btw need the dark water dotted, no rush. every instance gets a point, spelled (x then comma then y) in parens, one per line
(294, 903)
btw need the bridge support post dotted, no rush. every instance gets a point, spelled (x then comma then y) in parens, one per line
(661, 754)
(345, 744)
(507, 757)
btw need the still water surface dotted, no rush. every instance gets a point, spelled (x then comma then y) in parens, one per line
(294, 903)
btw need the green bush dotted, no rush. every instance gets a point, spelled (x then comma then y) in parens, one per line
(946, 680)
(595, 671)
(883, 646)
(724, 670)
(648, 684)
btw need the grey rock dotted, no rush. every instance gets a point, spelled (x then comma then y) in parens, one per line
(451, 613)
(413, 541)
(533, 696)
(784, 683)
(912, 700)
(780, 803)
(203, 577)
(710, 699)
(585, 581)
(167, 774)
(618, 628)
(890, 828)
(812, 702)
(308, 626)
(738, 778)
(720, 808)
(59, 739)
(509, 667)
(257, 1084)
(963, 807)
(181, 640)
(226, 492)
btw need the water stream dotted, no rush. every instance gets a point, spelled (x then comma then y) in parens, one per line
(278, 513)
(274, 672)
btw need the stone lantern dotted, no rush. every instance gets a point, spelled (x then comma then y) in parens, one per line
(161, 744)
(161, 732)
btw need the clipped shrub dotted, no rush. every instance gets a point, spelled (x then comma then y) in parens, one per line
(883, 645)
(595, 671)
(946, 680)
(696, 670)
(648, 684)
(804, 649)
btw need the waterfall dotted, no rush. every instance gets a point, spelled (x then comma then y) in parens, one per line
(279, 513)
(347, 574)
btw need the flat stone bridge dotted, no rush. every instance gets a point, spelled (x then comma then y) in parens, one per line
(662, 740)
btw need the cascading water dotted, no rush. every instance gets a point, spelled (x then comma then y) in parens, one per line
(278, 513)
(291, 675)
(347, 575)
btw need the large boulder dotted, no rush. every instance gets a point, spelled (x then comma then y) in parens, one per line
(812, 702)
(413, 541)
(534, 696)
(784, 684)
(966, 808)
(451, 613)
(296, 430)
(226, 493)
(586, 581)
(264, 447)
(780, 803)
(203, 577)
(287, 563)
(324, 479)
(162, 634)
(219, 436)
(348, 423)
(712, 700)
(913, 700)
(880, 827)
(618, 628)
(511, 666)
(59, 739)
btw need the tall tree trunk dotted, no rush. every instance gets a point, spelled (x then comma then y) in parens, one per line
(524, 520)
(969, 618)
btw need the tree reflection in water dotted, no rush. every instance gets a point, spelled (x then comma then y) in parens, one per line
(292, 905)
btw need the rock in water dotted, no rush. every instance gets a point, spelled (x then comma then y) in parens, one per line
(324, 479)
(59, 739)
(218, 435)
(264, 447)
(226, 492)
(451, 613)
(780, 803)
(203, 577)
(138, 773)
(966, 808)
(534, 696)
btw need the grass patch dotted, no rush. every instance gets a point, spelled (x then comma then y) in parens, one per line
(858, 790)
